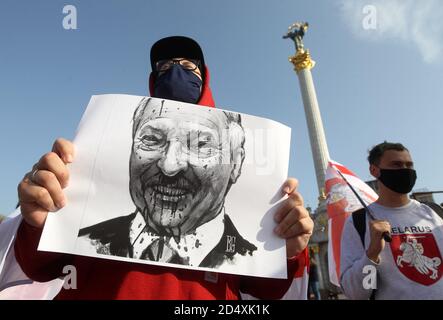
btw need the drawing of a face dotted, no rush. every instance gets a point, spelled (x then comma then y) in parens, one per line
(182, 164)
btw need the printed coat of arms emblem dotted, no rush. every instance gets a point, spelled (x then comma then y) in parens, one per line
(418, 257)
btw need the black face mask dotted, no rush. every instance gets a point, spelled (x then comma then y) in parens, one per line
(398, 180)
(178, 84)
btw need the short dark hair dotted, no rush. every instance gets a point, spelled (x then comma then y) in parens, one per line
(377, 151)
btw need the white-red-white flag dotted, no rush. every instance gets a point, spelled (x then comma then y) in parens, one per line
(14, 284)
(298, 290)
(299, 286)
(340, 203)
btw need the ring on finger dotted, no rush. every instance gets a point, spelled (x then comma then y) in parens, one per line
(32, 177)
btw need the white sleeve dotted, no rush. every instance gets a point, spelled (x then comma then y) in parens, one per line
(352, 261)
(10, 271)
(14, 284)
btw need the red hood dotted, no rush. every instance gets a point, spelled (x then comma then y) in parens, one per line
(205, 97)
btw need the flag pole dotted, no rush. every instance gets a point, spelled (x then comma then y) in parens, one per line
(386, 235)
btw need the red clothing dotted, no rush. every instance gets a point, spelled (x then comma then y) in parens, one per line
(107, 279)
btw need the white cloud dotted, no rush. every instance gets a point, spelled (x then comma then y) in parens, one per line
(415, 22)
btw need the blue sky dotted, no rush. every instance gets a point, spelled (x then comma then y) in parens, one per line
(372, 84)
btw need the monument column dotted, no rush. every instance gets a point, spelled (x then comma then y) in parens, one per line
(302, 65)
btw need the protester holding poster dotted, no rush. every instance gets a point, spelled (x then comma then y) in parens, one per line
(408, 267)
(179, 73)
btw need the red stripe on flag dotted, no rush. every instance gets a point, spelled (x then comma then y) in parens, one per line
(303, 262)
(340, 203)
(342, 169)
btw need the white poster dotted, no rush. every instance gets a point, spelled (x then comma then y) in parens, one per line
(174, 184)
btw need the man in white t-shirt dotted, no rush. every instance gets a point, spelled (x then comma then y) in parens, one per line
(410, 266)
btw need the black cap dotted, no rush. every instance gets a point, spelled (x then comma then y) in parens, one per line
(176, 47)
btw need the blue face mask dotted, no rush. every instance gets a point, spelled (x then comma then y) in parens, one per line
(178, 84)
